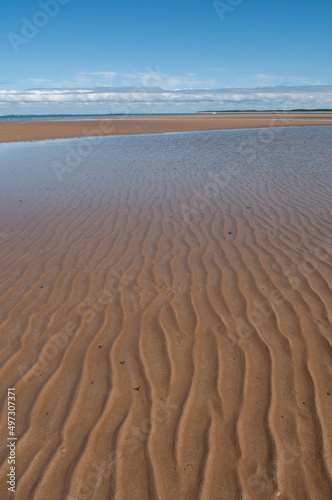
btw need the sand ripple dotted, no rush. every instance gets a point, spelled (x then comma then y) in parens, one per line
(169, 333)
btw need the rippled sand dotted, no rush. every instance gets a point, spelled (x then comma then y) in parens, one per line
(166, 317)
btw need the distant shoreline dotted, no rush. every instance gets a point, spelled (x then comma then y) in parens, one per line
(31, 129)
(228, 111)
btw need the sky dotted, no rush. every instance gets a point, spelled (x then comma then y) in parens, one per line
(116, 56)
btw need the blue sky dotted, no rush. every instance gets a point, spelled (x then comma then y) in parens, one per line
(76, 56)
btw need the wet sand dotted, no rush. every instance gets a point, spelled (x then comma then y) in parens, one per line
(31, 131)
(166, 341)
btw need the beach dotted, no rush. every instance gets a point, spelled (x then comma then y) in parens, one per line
(166, 307)
(112, 125)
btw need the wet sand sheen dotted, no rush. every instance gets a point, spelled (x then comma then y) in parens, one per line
(168, 332)
(133, 125)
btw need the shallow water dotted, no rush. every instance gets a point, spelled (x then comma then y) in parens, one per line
(194, 167)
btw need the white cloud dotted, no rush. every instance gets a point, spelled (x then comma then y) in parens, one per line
(151, 77)
(154, 77)
(96, 76)
(156, 99)
(262, 78)
(265, 78)
(217, 69)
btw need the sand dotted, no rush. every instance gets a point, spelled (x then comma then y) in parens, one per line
(164, 353)
(30, 131)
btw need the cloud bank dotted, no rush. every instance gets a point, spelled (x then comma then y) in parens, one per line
(159, 100)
